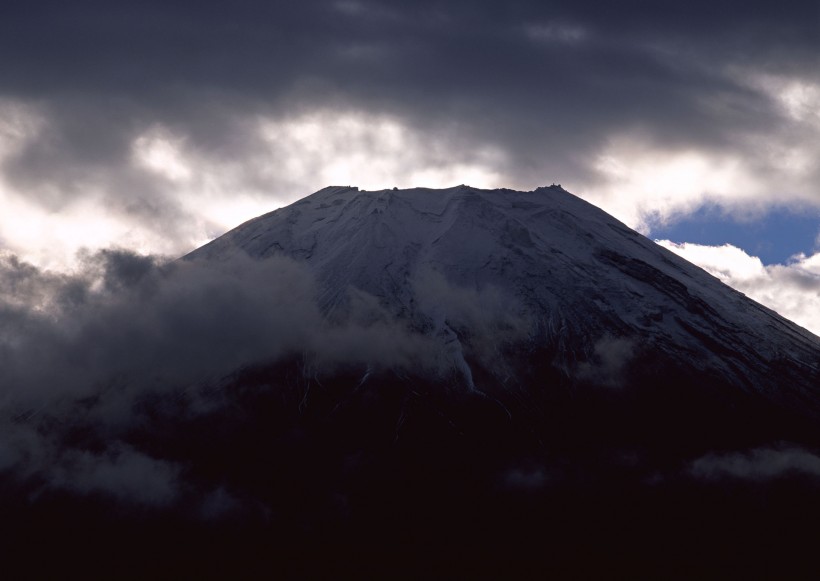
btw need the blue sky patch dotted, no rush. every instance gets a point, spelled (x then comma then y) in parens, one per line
(774, 237)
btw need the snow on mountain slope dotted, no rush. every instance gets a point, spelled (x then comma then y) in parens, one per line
(581, 279)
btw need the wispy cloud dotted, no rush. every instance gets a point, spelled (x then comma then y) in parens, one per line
(758, 465)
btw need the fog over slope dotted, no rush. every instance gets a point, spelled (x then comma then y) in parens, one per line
(428, 364)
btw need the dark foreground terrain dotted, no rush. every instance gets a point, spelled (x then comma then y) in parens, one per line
(403, 478)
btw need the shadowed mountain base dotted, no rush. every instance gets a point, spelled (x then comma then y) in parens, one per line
(406, 478)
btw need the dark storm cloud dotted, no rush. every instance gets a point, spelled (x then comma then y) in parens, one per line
(548, 83)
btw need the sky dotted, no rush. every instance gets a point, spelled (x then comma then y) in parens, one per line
(156, 126)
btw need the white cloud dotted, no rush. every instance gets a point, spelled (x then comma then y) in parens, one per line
(273, 161)
(160, 152)
(48, 238)
(373, 152)
(19, 123)
(643, 182)
(791, 289)
(798, 98)
(52, 239)
(196, 191)
(643, 185)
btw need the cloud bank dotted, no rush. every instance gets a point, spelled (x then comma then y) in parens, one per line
(84, 355)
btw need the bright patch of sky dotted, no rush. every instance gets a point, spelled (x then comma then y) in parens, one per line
(774, 237)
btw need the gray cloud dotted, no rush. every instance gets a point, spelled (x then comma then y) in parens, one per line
(527, 480)
(548, 85)
(139, 318)
(487, 316)
(609, 361)
(82, 353)
(760, 464)
(119, 471)
(177, 320)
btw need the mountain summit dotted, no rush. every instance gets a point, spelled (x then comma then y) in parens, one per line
(593, 290)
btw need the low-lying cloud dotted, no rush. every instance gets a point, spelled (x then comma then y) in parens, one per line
(610, 359)
(757, 465)
(79, 352)
(120, 472)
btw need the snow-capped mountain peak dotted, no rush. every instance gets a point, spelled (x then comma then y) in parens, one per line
(578, 276)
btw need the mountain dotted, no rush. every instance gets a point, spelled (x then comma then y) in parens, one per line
(437, 383)
(584, 280)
